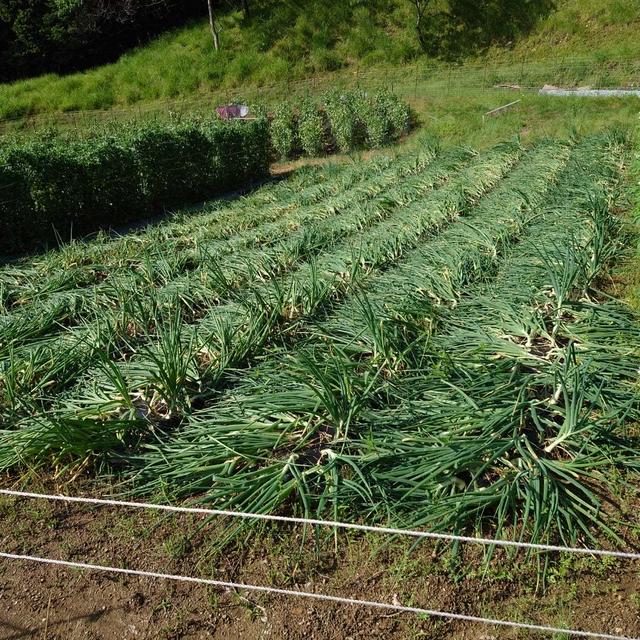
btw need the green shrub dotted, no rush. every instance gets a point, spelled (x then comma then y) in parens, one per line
(344, 121)
(174, 163)
(283, 131)
(113, 186)
(50, 184)
(240, 152)
(376, 121)
(15, 203)
(311, 128)
(254, 143)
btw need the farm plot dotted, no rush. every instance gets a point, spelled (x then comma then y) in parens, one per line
(419, 340)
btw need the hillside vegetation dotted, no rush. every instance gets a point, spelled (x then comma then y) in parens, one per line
(72, 185)
(442, 334)
(282, 42)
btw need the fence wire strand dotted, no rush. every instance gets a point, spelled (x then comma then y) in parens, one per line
(325, 523)
(315, 596)
(423, 79)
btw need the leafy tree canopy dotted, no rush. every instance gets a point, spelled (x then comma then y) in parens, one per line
(37, 36)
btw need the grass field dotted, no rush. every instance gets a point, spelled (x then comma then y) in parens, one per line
(422, 339)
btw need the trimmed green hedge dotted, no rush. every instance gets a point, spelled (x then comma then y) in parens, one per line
(55, 188)
(342, 121)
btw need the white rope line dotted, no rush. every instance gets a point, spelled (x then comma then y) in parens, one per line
(327, 523)
(316, 596)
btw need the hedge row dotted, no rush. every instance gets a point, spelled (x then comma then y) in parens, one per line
(51, 188)
(341, 121)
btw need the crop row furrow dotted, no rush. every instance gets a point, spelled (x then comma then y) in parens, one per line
(529, 409)
(42, 355)
(279, 304)
(435, 275)
(436, 357)
(288, 419)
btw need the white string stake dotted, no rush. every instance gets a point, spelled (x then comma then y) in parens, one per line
(315, 596)
(327, 523)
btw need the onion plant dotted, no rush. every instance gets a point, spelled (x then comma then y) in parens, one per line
(433, 351)
(490, 420)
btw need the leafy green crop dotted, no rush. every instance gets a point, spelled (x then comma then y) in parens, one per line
(397, 111)
(347, 128)
(311, 128)
(418, 340)
(283, 131)
(342, 121)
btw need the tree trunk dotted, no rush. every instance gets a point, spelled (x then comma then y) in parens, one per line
(245, 9)
(215, 34)
(421, 38)
(421, 7)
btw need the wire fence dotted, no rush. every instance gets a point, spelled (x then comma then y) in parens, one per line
(418, 81)
(308, 594)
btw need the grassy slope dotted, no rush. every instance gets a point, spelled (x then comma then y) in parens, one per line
(328, 39)
(601, 30)
(282, 43)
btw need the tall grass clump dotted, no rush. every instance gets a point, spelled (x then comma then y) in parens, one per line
(396, 110)
(346, 127)
(342, 120)
(376, 121)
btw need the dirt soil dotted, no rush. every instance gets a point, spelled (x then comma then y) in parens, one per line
(45, 602)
